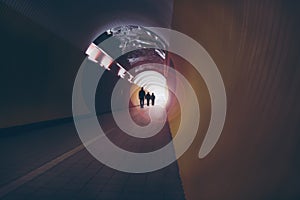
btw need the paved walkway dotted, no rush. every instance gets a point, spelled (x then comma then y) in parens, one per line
(51, 163)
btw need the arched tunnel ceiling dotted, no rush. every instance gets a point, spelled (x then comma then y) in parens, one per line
(80, 22)
(256, 46)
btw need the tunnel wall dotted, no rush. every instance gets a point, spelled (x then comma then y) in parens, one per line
(42, 47)
(256, 47)
(37, 72)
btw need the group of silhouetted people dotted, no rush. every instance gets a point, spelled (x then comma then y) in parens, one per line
(148, 97)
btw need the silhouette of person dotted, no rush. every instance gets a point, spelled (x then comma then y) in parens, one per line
(142, 97)
(152, 99)
(148, 97)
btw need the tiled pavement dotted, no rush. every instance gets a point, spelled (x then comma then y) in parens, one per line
(80, 176)
(83, 177)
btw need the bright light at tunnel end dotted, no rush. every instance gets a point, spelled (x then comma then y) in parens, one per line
(154, 82)
(90, 130)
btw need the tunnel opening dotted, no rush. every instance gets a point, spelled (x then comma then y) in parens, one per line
(148, 67)
(153, 82)
(134, 65)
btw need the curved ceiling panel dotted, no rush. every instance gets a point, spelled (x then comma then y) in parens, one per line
(80, 22)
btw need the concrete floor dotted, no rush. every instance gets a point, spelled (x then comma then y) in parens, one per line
(51, 163)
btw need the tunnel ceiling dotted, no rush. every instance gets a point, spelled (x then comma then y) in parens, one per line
(80, 22)
(125, 41)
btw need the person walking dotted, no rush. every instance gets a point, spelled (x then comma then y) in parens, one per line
(148, 97)
(142, 97)
(152, 99)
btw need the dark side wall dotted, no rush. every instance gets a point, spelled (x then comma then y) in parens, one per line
(42, 46)
(256, 46)
(37, 71)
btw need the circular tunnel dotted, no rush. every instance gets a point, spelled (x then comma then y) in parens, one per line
(139, 67)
